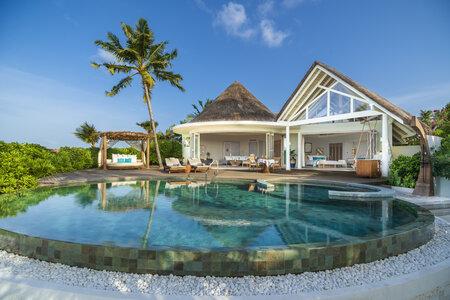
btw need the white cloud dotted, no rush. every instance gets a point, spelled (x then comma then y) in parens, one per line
(105, 56)
(233, 18)
(291, 3)
(202, 5)
(431, 97)
(265, 8)
(271, 36)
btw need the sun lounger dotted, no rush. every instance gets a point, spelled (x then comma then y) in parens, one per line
(173, 165)
(250, 162)
(197, 165)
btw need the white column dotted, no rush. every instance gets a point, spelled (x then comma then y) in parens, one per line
(287, 148)
(301, 150)
(385, 155)
(185, 141)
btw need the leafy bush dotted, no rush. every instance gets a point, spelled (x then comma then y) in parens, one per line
(441, 159)
(404, 171)
(168, 148)
(21, 165)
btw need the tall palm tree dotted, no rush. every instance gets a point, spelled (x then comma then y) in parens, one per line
(140, 56)
(87, 133)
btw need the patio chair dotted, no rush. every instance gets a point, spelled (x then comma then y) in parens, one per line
(173, 165)
(197, 165)
(276, 164)
(250, 161)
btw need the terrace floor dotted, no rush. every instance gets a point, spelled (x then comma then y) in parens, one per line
(93, 175)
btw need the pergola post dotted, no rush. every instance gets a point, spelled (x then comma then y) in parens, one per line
(147, 156)
(104, 151)
(143, 151)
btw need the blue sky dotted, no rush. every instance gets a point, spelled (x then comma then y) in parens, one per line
(399, 49)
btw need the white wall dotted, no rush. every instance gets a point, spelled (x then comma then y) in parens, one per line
(404, 150)
(349, 141)
(213, 143)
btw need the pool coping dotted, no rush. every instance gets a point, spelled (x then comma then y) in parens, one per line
(295, 258)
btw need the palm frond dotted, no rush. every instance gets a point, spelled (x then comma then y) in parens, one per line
(173, 78)
(118, 68)
(127, 30)
(95, 65)
(119, 86)
(114, 40)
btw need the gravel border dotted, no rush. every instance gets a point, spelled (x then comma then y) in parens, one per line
(430, 254)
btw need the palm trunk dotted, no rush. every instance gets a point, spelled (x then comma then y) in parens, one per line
(152, 121)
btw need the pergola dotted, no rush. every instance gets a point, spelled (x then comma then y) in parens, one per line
(137, 140)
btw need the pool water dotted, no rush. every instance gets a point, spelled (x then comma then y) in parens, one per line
(144, 214)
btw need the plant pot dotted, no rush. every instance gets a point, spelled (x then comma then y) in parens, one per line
(293, 165)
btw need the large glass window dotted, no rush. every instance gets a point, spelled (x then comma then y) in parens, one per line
(302, 116)
(319, 108)
(343, 89)
(360, 105)
(339, 104)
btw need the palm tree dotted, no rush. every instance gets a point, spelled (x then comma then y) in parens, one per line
(147, 126)
(87, 133)
(201, 106)
(426, 116)
(140, 56)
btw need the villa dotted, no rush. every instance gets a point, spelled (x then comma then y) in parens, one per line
(329, 120)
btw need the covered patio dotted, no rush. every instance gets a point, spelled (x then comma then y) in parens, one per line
(329, 122)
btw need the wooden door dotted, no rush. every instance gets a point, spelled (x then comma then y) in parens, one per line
(335, 151)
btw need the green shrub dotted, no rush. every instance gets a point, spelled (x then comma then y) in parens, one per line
(21, 165)
(69, 159)
(441, 159)
(168, 148)
(404, 171)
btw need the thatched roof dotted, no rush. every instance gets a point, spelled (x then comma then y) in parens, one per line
(405, 116)
(125, 135)
(236, 103)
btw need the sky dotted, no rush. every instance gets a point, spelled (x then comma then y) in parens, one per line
(399, 49)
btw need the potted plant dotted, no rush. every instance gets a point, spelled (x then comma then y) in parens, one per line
(293, 158)
(208, 158)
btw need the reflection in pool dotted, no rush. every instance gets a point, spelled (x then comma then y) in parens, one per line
(142, 214)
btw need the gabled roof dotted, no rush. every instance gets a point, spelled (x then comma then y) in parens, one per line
(394, 109)
(236, 103)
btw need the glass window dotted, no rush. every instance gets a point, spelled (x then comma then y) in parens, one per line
(318, 108)
(360, 106)
(341, 88)
(302, 116)
(339, 104)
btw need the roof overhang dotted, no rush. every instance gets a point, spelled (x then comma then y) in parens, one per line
(229, 126)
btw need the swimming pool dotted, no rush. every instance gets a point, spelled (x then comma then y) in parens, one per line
(200, 228)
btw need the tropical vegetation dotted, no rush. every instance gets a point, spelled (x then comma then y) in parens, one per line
(142, 57)
(87, 133)
(404, 170)
(22, 165)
